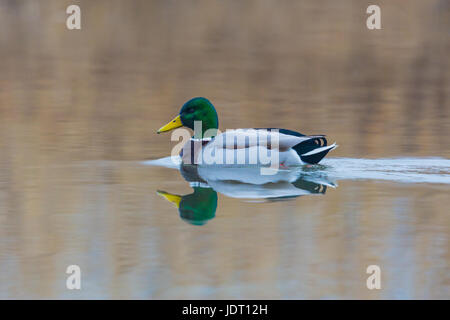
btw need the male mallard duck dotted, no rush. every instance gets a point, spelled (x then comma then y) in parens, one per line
(242, 146)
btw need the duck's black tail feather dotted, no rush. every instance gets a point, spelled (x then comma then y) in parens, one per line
(314, 150)
(318, 154)
(310, 151)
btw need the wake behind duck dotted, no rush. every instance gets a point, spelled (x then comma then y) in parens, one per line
(402, 170)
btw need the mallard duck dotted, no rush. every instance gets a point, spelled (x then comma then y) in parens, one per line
(242, 146)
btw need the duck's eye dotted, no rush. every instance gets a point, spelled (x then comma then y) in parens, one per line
(190, 110)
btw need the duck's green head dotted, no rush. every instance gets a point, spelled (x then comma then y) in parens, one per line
(196, 109)
(196, 208)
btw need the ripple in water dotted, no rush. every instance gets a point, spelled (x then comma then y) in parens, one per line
(404, 170)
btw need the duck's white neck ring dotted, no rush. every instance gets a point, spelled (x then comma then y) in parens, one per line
(197, 184)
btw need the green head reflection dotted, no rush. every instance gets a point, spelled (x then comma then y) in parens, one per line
(196, 208)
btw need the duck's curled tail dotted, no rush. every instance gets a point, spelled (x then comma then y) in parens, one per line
(314, 150)
(310, 151)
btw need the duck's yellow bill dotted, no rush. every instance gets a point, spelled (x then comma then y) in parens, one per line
(175, 123)
(175, 199)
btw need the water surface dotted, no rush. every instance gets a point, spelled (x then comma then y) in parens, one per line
(79, 111)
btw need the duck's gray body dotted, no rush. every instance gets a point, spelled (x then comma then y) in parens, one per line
(257, 147)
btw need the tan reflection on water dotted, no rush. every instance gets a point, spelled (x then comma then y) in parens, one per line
(79, 108)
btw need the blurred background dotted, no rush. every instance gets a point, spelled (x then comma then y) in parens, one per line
(80, 108)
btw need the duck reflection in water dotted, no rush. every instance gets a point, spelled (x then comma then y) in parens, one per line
(199, 207)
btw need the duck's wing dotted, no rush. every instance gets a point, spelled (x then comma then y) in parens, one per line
(246, 138)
